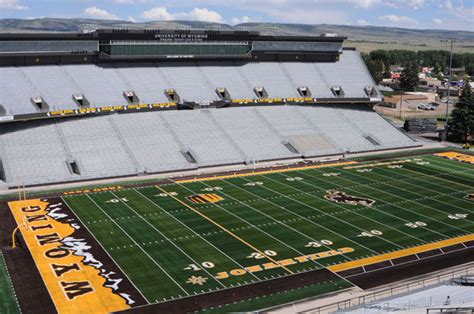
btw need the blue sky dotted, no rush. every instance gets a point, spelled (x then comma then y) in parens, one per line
(424, 14)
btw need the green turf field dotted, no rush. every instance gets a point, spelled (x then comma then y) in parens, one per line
(171, 247)
(8, 302)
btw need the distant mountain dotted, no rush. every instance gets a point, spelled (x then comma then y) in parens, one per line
(365, 38)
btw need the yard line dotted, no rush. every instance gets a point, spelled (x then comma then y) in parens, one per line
(450, 181)
(220, 226)
(295, 214)
(270, 217)
(316, 262)
(413, 201)
(417, 178)
(452, 205)
(159, 232)
(320, 211)
(133, 240)
(373, 207)
(366, 217)
(289, 227)
(447, 165)
(451, 163)
(106, 252)
(223, 253)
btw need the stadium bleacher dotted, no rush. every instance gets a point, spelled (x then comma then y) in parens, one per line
(103, 85)
(151, 142)
(278, 98)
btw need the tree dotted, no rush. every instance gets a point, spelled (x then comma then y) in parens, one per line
(376, 68)
(470, 69)
(409, 78)
(461, 122)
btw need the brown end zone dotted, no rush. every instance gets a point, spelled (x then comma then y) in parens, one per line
(75, 272)
(30, 290)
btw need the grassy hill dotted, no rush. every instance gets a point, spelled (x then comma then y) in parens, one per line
(365, 38)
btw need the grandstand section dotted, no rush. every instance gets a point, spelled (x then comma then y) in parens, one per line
(78, 149)
(104, 84)
(44, 75)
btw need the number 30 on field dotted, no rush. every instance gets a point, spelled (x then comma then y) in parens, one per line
(319, 243)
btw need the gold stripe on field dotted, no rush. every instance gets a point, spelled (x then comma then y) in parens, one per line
(223, 228)
(236, 175)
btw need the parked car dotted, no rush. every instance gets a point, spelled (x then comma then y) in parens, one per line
(426, 107)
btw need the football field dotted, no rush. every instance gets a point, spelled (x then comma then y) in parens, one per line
(172, 245)
(191, 237)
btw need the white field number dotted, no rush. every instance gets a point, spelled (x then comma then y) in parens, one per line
(291, 179)
(457, 216)
(253, 183)
(258, 255)
(166, 194)
(415, 224)
(117, 200)
(194, 267)
(319, 243)
(371, 233)
(212, 188)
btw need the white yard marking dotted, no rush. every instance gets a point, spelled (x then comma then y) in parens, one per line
(133, 240)
(409, 200)
(375, 207)
(428, 182)
(293, 214)
(186, 226)
(103, 248)
(325, 200)
(170, 241)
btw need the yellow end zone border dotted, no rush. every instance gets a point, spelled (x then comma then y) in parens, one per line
(256, 173)
(401, 253)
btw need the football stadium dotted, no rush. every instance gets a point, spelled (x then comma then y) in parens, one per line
(162, 171)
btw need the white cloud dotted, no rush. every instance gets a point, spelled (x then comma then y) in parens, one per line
(398, 20)
(203, 15)
(412, 4)
(366, 3)
(362, 23)
(99, 14)
(240, 20)
(437, 21)
(196, 14)
(131, 19)
(131, 1)
(158, 13)
(415, 4)
(447, 4)
(12, 5)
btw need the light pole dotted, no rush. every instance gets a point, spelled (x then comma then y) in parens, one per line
(451, 41)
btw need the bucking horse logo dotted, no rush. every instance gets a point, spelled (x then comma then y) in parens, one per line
(342, 197)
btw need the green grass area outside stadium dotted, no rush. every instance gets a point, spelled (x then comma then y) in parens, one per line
(171, 248)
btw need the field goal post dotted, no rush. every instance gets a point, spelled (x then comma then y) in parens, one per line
(24, 223)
